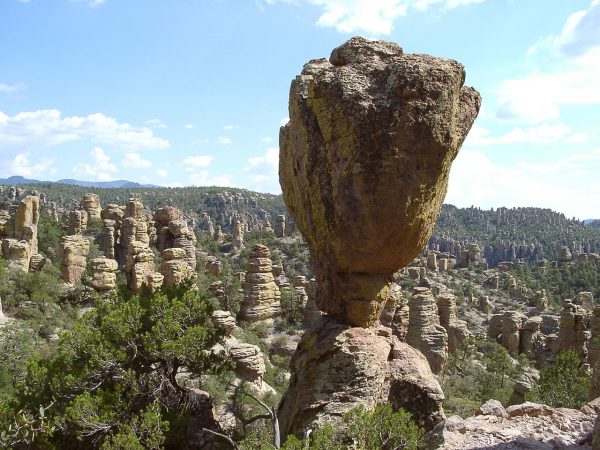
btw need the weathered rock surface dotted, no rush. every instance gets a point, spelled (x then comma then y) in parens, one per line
(337, 367)
(249, 362)
(365, 159)
(18, 230)
(364, 167)
(104, 274)
(223, 320)
(91, 205)
(528, 426)
(174, 267)
(78, 219)
(140, 267)
(262, 298)
(72, 252)
(424, 330)
(572, 333)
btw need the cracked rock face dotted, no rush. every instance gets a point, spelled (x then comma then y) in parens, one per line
(365, 159)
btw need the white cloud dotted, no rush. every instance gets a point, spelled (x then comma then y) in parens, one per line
(202, 178)
(100, 168)
(541, 134)
(194, 162)
(155, 123)
(373, 17)
(162, 173)
(230, 127)
(476, 180)
(223, 140)
(10, 88)
(267, 139)
(135, 161)
(284, 120)
(568, 74)
(188, 126)
(22, 165)
(263, 171)
(47, 127)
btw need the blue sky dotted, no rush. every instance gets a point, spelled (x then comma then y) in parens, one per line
(193, 92)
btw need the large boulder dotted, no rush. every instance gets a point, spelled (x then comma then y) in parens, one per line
(337, 367)
(364, 165)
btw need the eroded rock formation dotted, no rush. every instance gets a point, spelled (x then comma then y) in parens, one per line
(104, 274)
(262, 298)
(364, 167)
(72, 252)
(91, 205)
(140, 267)
(424, 330)
(18, 231)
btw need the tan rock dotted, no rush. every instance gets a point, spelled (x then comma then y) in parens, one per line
(104, 274)
(336, 368)
(280, 226)
(140, 266)
(424, 330)
(174, 268)
(72, 253)
(224, 320)
(238, 235)
(91, 204)
(78, 219)
(249, 362)
(17, 253)
(262, 298)
(572, 332)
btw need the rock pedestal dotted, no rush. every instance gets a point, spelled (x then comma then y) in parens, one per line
(262, 299)
(364, 165)
(237, 242)
(572, 332)
(72, 253)
(337, 367)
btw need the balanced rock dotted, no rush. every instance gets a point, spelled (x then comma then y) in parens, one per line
(363, 166)
(238, 235)
(572, 332)
(280, 226)
(249, 362)
(377, 128)
(262, 298)
(72, 253)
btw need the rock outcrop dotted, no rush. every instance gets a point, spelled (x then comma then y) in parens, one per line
(223, 320)
(140, 267)
(72, 253)
(279, 226)
(91, 205)
(328, 379)
(174, 267)
(18, 231)
(364, 167)
(78, 219)
(249, 362)
(262, 298)
(104, 274)
(424, 330)
(572, 333)
(524, 426)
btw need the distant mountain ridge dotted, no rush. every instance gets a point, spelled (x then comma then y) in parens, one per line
(16, 180)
